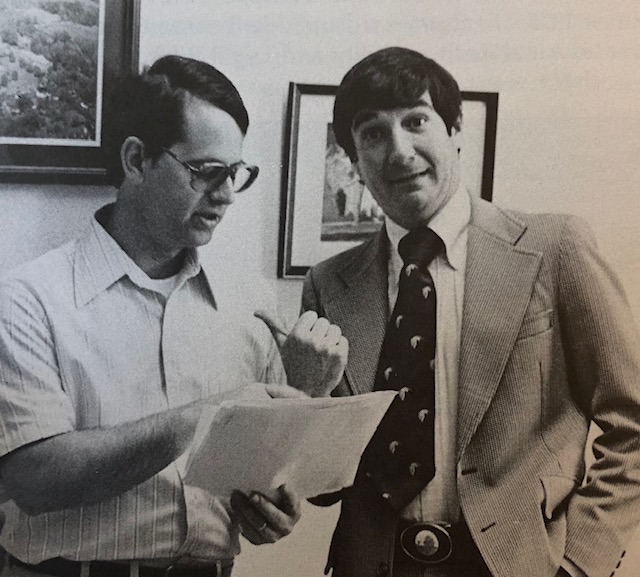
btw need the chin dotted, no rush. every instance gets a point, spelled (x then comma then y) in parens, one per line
(201, 237)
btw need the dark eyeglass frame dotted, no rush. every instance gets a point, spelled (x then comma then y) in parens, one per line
(214, 181)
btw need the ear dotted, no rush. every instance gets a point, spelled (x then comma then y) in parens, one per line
(356, 170)
(132, 158)
(456, 137)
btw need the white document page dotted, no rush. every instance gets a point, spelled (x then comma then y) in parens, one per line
(313, 445)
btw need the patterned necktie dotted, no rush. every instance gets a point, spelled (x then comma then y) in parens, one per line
(399, 460)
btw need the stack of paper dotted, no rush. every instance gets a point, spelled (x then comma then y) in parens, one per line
(313, 445)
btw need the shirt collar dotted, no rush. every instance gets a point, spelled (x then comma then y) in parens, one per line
(100, 262)
(449, 224)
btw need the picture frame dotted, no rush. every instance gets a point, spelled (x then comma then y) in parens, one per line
(48, 133)
(325, 209)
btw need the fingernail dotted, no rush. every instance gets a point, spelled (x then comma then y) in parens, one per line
(255, 497)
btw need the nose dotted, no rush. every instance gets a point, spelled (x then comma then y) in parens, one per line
(400, 147)
(224, 193)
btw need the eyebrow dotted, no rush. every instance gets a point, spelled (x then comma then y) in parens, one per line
(367, 114)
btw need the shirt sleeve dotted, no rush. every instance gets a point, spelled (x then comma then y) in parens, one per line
(33, 404)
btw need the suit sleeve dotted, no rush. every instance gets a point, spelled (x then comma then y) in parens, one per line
(311, 302)
(602, 347)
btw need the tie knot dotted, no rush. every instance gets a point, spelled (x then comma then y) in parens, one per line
(420, 246)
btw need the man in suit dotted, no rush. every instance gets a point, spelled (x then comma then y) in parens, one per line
(533, 343)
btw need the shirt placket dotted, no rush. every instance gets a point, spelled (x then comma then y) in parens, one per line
(180, 389)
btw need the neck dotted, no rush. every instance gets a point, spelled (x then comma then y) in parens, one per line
(130, 232)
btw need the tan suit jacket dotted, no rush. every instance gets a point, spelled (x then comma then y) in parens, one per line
(548, 345)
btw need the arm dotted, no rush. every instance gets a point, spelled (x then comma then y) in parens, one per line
(48, 460)
(603, 368)
(85, 467)
(89, 466)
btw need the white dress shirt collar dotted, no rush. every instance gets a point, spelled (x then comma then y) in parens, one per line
(449, 224)
(101, 262)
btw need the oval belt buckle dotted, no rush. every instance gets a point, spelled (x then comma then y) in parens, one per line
(426, 543)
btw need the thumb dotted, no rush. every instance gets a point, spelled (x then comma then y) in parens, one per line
(274, 325)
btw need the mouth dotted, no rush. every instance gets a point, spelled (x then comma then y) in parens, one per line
(408, 178)
(208, 217)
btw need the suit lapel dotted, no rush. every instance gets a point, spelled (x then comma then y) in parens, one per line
(498, 284)
(361, 311)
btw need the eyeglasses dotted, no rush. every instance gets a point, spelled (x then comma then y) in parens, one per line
(209, 174)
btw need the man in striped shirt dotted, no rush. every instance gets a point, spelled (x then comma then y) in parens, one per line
(111, 345)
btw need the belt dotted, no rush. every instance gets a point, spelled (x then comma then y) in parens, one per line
(429, 544)
(59, 567)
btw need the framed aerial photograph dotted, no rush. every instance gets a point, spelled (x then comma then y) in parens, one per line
(58, 60)
(325, 208)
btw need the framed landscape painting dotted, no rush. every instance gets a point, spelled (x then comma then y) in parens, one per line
(58, 60)
(326, 209)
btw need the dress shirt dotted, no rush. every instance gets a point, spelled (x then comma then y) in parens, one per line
(88, 340)
(438, 501)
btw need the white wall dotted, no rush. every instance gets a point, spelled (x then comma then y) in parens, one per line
(567, 74)
(568, 132)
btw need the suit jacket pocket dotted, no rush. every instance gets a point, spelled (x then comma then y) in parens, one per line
(557, 490)
(536, 324)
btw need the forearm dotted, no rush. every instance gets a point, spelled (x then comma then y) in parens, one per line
(89, 466)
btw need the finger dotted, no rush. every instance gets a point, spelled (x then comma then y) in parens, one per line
(320, 328)
(343, 349)
(259, 536)
(274, 325)
(278, 520)
(289, 502)
(253, 525)
(305, 323)
(334, 332)
(343, 346)
(284, 392)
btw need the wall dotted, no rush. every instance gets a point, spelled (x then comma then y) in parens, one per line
(569, 122)
(568, 133)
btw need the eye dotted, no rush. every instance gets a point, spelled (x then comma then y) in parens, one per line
(416, 122)
(209, 170)
(370, 134)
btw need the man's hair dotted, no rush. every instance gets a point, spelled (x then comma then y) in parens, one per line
(393, 78)
(150, 106)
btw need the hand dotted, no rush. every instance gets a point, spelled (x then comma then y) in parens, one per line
(284, 392)
(314, 353)
(263, 521)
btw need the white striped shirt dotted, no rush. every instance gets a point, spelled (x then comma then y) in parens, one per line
(86, 341)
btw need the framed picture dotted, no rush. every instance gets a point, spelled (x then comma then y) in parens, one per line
(57, 62)
(325, 208)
